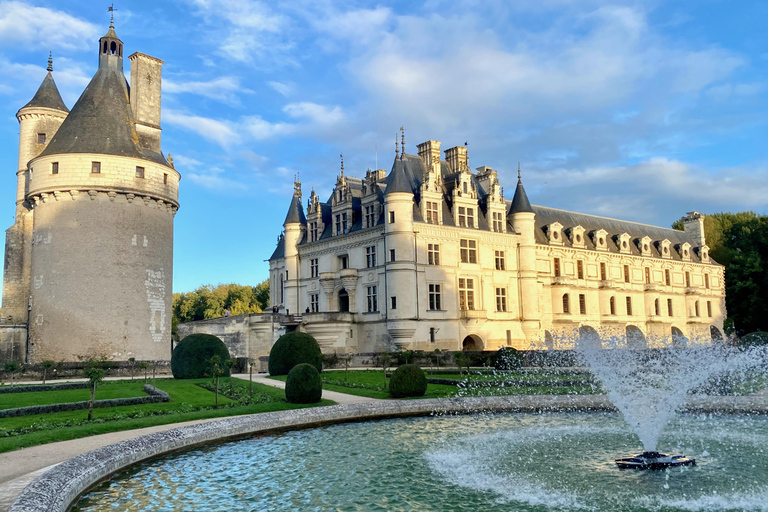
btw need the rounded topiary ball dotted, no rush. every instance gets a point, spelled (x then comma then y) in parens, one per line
(292, 349)
(303, 385)
(408, 380)
(507, 358)
(191, 359)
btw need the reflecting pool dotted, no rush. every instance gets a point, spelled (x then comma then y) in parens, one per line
(478, 463)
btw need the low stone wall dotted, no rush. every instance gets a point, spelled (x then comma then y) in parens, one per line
(57, 489)
(154, 396)
(246, 336)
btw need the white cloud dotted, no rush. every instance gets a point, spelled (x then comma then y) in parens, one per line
(317, 114)
(224, 133)
(36, 28)
(284, 88)
(217, 182)
(224, 89)
(71, 77)
(186, 161)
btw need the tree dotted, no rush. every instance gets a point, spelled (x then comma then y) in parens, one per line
(461, 361)
(211, 301)
(144, 366)
(132, 363)
(217, 370)
(94, 372)
(46, 365)
(12, 367)
(230, 364)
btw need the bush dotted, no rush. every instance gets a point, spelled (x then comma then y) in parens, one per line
(292, 349)
(408, 380)
(754, 338)
(303, 385)
(191, 359)
(507, 358)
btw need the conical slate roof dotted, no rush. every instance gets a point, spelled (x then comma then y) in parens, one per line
(520, 203)
(101, 121)
(295, 212)
(398, 180)
(48, 96)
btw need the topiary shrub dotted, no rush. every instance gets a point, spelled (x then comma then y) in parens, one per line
(754, 338)
(191, 359)
(408, 380)
(507, 358)
(292, 349)
(303, 385)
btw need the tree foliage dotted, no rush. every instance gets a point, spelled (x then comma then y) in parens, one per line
(212, 301)
(740, 242)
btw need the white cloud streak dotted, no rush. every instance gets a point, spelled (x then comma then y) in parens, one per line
(22, 24)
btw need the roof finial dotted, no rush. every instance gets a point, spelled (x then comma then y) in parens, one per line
(112, 10)
(402, 146)
(518, 173)
(50, 61)
(397, 147)
(296, 185)
(342, 163)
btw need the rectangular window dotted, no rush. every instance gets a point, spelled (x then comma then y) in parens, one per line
(626, 273)
(656, 307)
(435, 298)
(696, 308)
(709, 308)
(432, 212)
(688, 280)
(580, 269)
(501, 299)
(314, 302)
(509, 338)
(566, 303)
(370, 256)
(96, 167)
(55, 168)
(466, 294)
(470, 217)
(370, 216)
(433, 254)
(582, 304)
(338, 224)
(139, 172)
(462, 217)
(669, 307)
(647, 275)
(432, 334)
(629, 306)
(393, 302)
(343, 262)
(499, 258)
(468, 251)
(344, 223)
(165, 179)
(667, 279)
(391, 217)
(391, 255)
(556, 267)
(313, 267)
(613, 305)
(706, 282)
(41, 138)
(313, 231)
(373, 299)
(602, 272)
(498, 222)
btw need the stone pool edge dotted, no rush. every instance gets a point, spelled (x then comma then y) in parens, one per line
(59, 488)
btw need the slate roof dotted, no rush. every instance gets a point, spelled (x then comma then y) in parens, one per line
(405, 175)
(102, 122)
(279, 250)
(520, 203)
(48, 96)
(295, 212)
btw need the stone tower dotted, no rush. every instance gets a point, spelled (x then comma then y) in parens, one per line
(523, 222)
(90, 256)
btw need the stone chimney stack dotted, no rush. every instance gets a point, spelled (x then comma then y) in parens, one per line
(693, 223)
(430, 153)
(457, 158)
(146, 81)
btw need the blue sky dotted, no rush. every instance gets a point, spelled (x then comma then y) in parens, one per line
(634, 110)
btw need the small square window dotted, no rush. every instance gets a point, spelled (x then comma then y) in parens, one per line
(95, 167)
(140, 172)
(55, 168)
(41, 138)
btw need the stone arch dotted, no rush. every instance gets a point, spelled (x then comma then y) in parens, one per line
(679, 340)
(715, 334)
(635, 338)
(472, 342)
(343, 297)
(549, 340)
(589, 338)
(113, 48)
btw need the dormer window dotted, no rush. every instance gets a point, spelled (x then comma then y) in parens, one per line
(577, 236)
(623, 242)
(704, 254)
(599, 238)
(685, 251)
(555, 233)
(664, 248)
(645, 246)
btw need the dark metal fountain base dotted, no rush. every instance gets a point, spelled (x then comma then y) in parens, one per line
(654, 460)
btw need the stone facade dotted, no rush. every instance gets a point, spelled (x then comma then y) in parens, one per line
(89, 259)
(432, 255)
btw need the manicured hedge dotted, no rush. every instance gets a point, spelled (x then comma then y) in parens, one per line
(754, 338)
(507, 358)
(303, 385)
(45, 387)
(191, 359)
(292, 349)
(408, 380)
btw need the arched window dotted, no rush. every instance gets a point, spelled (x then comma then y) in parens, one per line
(566, 304)
(613, 305)
(105, 47)
(113, 48)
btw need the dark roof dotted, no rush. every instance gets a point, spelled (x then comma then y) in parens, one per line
(48, 96)
(398, 179)
(101, 121)
(520, 203)
(279, 250)
(295, 212)
(591, 223)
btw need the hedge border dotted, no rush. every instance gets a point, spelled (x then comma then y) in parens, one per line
(154, 396)
(44, 387)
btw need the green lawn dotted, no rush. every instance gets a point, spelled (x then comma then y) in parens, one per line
(107, 390)
(188, 402)
(370, 383)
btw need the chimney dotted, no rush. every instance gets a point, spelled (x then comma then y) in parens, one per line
(146, 80)
(430, 153)
(693, 223)
(457, 158)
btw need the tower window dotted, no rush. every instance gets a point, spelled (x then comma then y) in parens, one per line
(41, 138)
(391, 255)
(165, 178)
(394, 302)
(433, 254)
(55, 168)
(656, 307)
(391, 217)
(140, 172)
(95, 167)
(613, 305)
(435, 297)
(113, 48)
(466, 294)
(566, 304)
(501, 299)
(105, 47)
